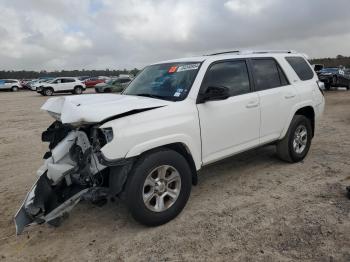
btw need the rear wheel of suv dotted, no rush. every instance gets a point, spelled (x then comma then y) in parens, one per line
(14, 89)
(48, 91)
(158, 187)
(78, 90)
(296, 143)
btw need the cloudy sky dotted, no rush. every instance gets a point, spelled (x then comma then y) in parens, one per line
(117, 34)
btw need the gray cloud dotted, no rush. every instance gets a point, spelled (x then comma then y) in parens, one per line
(49, 34)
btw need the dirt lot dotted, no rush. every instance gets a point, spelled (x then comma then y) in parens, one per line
(251, 207)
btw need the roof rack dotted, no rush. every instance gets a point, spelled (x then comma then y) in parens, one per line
(225, 52)
(246, 52)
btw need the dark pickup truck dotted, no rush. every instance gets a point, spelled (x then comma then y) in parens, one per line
(335, 77)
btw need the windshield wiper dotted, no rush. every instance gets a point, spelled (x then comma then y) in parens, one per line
(156, 96)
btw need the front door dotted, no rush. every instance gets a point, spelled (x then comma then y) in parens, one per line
(231, 125)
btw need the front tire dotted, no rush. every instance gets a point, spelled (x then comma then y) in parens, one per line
(14, 89)
(48, 92)
(296, 143)
(158, 187)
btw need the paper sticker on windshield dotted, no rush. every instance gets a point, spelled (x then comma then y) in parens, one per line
(177, 94)
(188, 67)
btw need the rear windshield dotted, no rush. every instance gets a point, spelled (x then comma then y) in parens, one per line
(301, 67)
(170, 81)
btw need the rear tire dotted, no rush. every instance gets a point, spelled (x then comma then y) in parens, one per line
(78, 90)
(14, 89)
(48, 92)
(158, 187)
(296, 143)
(327, 86)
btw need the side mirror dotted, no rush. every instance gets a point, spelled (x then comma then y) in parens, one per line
(214, 93)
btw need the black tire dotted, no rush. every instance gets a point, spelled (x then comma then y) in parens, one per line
(78, 90)
(107, 90)
(48, 91)
(334, 80)
(285, 148)
(14, 88)
(134, 188)
(327, 86)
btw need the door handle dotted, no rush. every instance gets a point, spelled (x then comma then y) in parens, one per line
(252, 104)
(289, 96)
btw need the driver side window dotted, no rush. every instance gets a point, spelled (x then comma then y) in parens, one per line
(230, 74)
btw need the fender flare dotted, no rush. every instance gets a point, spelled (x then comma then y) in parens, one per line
(293, 112)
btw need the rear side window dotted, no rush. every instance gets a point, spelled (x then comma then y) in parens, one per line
(230, 74)
(67, 80)
(301, 67)
(268, 74)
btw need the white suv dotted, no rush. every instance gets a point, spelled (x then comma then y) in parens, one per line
(61, 85)
(147, 144)
(10, 84)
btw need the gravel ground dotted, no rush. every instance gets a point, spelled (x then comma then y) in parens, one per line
(251, 207)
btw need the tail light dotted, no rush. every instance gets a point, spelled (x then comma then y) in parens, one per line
(320, 86)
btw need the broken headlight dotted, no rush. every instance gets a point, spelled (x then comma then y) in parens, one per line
(108, 134)
(101, 136)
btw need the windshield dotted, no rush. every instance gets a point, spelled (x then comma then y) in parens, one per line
(171, 81)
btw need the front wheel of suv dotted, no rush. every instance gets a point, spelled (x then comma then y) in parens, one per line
(296, 143)
(158, 187)
(48, 91)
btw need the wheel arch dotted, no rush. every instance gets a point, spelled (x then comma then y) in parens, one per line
(309, 113)
(306, 110)
(179, 147)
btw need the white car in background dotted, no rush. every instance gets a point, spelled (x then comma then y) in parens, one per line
(10, 84)
(62, 85)
(35, 84)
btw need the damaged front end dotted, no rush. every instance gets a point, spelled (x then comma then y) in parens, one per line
(71, 171)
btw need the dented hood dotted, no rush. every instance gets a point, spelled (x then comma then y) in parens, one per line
(94, 108)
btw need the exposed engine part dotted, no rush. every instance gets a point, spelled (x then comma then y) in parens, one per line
(55, 133)
(70, 172)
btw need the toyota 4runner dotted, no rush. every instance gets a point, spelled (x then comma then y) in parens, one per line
(147, 144)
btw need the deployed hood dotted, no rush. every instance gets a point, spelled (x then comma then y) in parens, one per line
(95, 108)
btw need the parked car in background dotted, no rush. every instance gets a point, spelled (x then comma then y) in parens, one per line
(318, 67)
(62, 85)
(335, 77)
(25, 83)
(91, 82)
(83, 78)
(10, 84)
(114, 85)
(38, 82)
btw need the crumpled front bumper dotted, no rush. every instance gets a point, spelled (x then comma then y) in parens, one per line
(62, 181)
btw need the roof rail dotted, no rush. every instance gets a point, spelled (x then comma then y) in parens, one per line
(246, 52)
(225, 52)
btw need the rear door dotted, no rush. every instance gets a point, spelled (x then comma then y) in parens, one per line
(231, 125)
(68, 83)
(277, 97)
